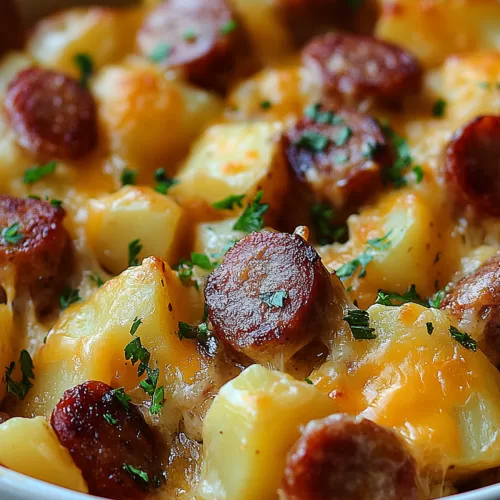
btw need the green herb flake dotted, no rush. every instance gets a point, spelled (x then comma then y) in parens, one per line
(396, 299)
(312, 141)
(149, 384)
(160, 52)
(122, 397)
(134, 249)
(343, 136)
(137, 474)
(96, 279)
(430, 327)
(85, 65)
(109, 419)
(396, 173)
(202, 261)
(69, 297)
(34, 174)
(265, 104)
(229, 27)
(274, 299)
(439, 108)
(230, 202)
(128, 177)
(20, 389)
(185, 271)
(190, 35)
(163, 182)
(190, 332)
(464, 339)
(11, 234)
(419, 173)
(135, 351)
(322, 219)
(369, 149)
(359, 321)
(340, 158)
(436, 299)
(308, 380)
(135, 325)
(252, 219)
(157, 400)
(316, 114)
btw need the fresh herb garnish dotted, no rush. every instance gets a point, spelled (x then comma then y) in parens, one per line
(430, 327)
(68, 297)
(135, 325)
(128, 177)
(229, 202)
(313, 141)
(157, 400)
(134, 249)
(359, 321)
(202, 261)
(20, 389)
(324, 117)
(343, 136)
(436, 299)
(369, 149)
(56, 203)
(190, 332)
(419, 173)
(157, 394)
(122, 397)
(252, 217)
(322, 218)
(185, 271)
(274, 299)
(229, 27)
(135, 351)
(308, 380)
(11, 234)
(396, 173)
(160, 52)
(439, 108)
(163, 182)
(396, 299)
(34, 174)
(190, 35)
(109, 419)
(463, 338)
(96, 279)
(137, 474)
(85, 65)
(265, 104)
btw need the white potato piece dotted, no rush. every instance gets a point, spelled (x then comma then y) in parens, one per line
(30, 446)
(134, 213)
(149, 120)
(105, 34)
(439, 395)
(88, 341)
(234, 159)
(253, 422)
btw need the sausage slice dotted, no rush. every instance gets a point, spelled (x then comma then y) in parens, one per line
(476, 298)
(344, 458)
(338, 154)
(199, 36)
(362, 66)
(472, 164)
(270, 296)
(107, 441)
(51, 114)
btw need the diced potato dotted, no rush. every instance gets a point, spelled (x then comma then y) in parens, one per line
(30, 446)
(134, 213)
(232, 159)
(149, 120)
(416, 378)
(433, 29)
(253, 422)
(88, 341)
(417, 248)
(10, 66)
(106, 35)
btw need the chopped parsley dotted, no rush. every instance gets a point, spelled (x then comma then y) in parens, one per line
(96, 279)
(137, 474)
(157, 394)
(313, 141)
(185, 271)
(157, 400)
(325, 117)
(134, 249)
(128, 177)
(190, 332)
(252, 219)
(11, 234)
(85, 65)
(369, 149)
(68, 297)
(190, 35)
(34, 174)
(464, 339)
(322, 218)
(439, 108)
(56, 203)
(135, 351)
(163, 182)
(122, 397)
(135, 325)
(274, 299)
(160, 52)
(308, 380)
(396, 299)
(343, 136)
(363, 259)
(396, 174)
(419, 173)
(359, 321)
(430, 327)
(436, 299)
(20, 389)
(229, 202)
(202, 261)
(109, 419)
(265, 104)
(229, 27)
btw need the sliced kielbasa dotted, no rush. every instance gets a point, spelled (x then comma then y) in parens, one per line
(476, 298)
(109, 440)
(472, 164)
(270, 296)
(51, 114)
(201, 37)
(361, 66)
(339, 155)
(344, 458)
(35, 243)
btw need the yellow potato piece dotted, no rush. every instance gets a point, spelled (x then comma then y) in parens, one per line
(30, 446)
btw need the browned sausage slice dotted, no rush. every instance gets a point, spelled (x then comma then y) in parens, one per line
(51, 114)
(107, 441)
(472, 164)
(339, 155)
(199, 36)
(476, 298)
(362, 66)
(269, 296)
(342, 458)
